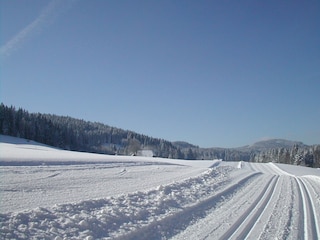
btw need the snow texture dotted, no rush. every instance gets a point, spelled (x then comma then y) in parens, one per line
(49, 193)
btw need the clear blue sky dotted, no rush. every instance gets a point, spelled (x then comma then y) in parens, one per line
(213, 73)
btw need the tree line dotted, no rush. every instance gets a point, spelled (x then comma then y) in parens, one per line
(80, 135)
(307, 156)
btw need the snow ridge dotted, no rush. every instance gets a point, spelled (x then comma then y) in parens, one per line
(112, 217)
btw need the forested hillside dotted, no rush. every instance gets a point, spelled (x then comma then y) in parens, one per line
(80, 135)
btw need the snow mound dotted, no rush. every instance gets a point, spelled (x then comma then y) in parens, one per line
(112, 217)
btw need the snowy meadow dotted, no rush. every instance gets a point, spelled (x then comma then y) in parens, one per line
(49, 193)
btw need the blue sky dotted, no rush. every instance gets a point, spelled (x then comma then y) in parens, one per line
(213, 73)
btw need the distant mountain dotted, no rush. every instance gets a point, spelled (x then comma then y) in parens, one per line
(274, 143)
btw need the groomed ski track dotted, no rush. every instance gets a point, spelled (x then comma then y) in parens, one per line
(276, 205)
(87, 196)
(228, 201)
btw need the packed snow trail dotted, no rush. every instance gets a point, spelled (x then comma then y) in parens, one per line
(310, 221)
(171, 224)
(54, 194)
(267, 209)
(244, 224)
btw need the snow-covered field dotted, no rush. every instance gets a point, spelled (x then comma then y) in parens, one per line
(48, 193)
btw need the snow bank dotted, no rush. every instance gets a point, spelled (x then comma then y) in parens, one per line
(111, 217)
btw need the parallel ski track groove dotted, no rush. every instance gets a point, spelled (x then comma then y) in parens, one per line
(171, 225)
(288, 224)
(247, 219)
(310, 223)
(265, 206)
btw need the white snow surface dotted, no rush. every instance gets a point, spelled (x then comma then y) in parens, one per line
(49, 193)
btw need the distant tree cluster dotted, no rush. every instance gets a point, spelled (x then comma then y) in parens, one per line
(226, 154)
(297, 155)
(79, 135)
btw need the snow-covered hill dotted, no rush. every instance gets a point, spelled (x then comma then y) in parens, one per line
(49, 193)
(272, 144)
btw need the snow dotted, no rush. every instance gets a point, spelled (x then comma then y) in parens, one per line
(49, 193)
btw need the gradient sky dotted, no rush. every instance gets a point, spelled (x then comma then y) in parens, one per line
(212, 73)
